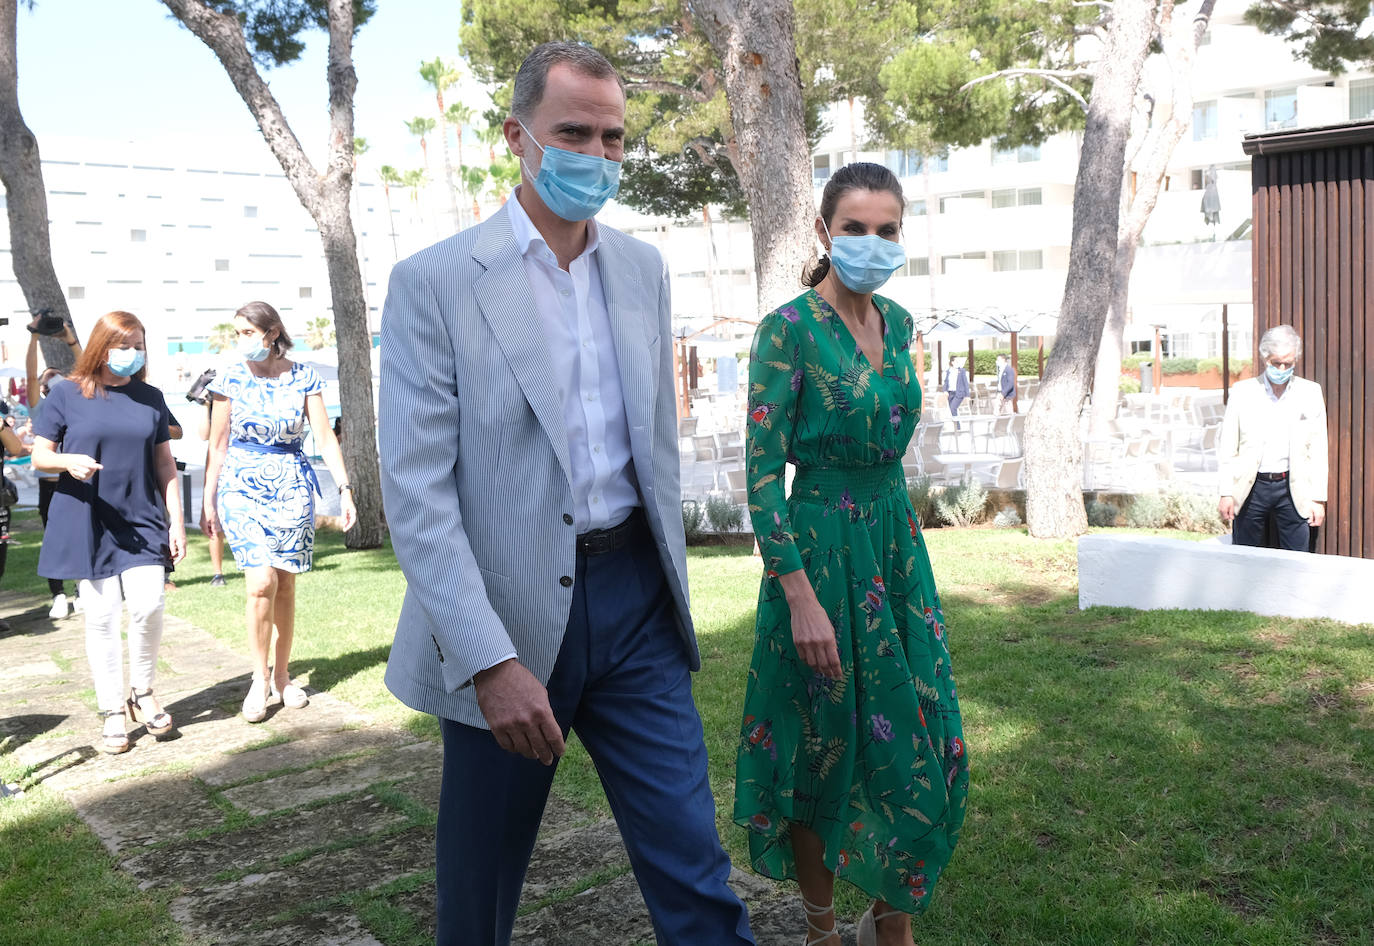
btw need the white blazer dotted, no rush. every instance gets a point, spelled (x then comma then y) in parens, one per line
(1242, 442)
(475, 471)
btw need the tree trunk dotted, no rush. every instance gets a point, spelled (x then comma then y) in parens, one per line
(754, 40)
(325, 197)
(1180, 40)
(26, 198)
(448, 165)
(1054, 447)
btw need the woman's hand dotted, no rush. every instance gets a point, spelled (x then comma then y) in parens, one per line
(80, 466)
(812, 633)
(176, 539)
(347, 510)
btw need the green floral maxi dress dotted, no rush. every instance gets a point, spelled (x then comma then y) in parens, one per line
(874, 762)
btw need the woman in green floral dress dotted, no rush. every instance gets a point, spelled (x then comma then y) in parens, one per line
(851, 760)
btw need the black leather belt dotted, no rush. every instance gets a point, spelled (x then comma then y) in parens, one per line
(1272, 477)
(601, 541)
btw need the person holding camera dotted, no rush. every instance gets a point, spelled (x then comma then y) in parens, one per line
(35, 393)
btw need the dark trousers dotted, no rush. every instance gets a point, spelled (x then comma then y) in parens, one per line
(46, 488)
(621, 682)
(1270, 507)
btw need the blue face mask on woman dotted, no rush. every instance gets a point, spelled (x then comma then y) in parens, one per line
(252, 349)
(864, 263)
(125, 362)
(574, 186)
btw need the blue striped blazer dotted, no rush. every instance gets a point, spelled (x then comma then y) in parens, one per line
(475, 470)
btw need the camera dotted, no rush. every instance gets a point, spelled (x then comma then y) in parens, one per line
(197, 393)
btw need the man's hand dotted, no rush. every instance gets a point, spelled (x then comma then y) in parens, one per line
(516, 707)
(1318, 515)
(1226, 508)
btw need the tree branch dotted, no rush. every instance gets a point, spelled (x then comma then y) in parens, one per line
(224, 37)
(671, 88)
(1053, 76)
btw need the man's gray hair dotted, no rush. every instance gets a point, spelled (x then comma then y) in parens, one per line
(1280, 338)
(534, 73)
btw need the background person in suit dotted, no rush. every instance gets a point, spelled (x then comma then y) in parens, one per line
(956, 386)
(1272, 453)
(530, 471)
(1006, 383)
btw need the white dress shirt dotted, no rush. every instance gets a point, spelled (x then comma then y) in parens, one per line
(1278, 426)
(577, 327)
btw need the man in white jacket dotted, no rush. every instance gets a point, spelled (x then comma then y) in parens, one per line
(1272, 454)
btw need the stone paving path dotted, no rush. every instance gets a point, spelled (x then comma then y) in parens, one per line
(312, 828)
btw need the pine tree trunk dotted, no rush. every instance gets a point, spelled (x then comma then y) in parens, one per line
(27, 199)
(325, 197)
(1054, 447)
(1180, 40)
(755, 42)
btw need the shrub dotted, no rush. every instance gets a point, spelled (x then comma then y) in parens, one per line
(962, 505)
(1147, 511)
(723, 515)
(1237, 365)
(1129, 384)
(922, 502)
(1133, 362)
(1180, 366)
(1193, 512)
(1008, 518)
(985, 361)
(1101, 514)
(692, 514)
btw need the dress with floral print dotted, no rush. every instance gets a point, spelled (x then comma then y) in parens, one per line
(873, 762)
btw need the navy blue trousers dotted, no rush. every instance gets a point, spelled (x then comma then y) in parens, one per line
(1268, 519)
(621, 683)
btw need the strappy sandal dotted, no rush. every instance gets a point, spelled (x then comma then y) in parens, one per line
(113, 743)
(868, 926)
(812, 911)
(157, 724)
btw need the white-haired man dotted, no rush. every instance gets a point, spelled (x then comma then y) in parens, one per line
(1272, 453)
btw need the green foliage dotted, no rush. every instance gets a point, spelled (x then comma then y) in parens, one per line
(319, 333)
(985, 361)
(1326, 32)
(221, 337)
(918, 490)
(1129, 384)
(1133, 362)
(1193, 512)
(273, 27)
(1101, 514)
(1180, 366)
(679, 184)
(1237, 365)
(1147, 511)
(1008, 518)
(693, 514)
(723, 515)
(962, 505)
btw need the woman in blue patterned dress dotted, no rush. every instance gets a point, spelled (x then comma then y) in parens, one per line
(260, 489)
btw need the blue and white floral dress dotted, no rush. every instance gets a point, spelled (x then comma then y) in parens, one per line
(266, 487)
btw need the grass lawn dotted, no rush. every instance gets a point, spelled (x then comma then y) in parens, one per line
(1139, 777)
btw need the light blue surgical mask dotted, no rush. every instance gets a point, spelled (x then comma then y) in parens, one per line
(573, 185)
(864, 263)
(252, 349)
(125, 362)
(1278, 375)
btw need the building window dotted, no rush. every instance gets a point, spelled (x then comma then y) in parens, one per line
(1004, 198)
(221, 266)
(904, 163)
(1205, 120)
(1003, 261)
(1030, 197)
(1031, 259)
(1003, 155)
(917, 266)
(1281, 108)
(138, 236)
(916, 208)
(307, 292)
(966, 195)
(76, 292)
(1361, 99)
(820, 167)
(1027, 154)
(250, 211)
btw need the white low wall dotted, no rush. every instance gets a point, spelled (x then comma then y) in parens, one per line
(1149, 573)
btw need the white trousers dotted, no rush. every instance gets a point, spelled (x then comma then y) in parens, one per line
(141, 588)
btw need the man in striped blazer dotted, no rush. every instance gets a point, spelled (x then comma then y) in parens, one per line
(530, 471)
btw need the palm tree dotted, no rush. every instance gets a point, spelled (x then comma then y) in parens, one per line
(319, 333)
(390, 178)
(222, 337)
(441, 75)
(415, 180)
(419, 127)
(489, 136)
(475, 178)
(504, 174)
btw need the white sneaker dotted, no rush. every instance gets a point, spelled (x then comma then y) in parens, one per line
(59, 607)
